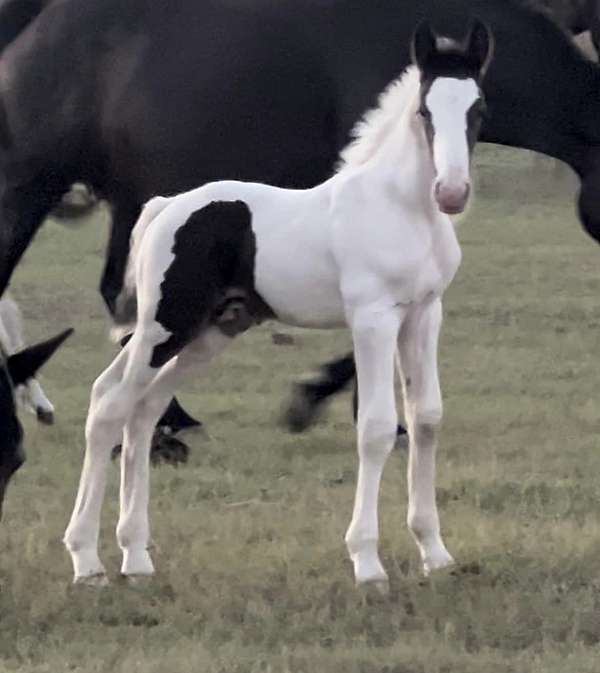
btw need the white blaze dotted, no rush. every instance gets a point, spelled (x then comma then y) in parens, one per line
(448, 101)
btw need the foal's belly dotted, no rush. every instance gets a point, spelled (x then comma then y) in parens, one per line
(300, 284)
(301, 301)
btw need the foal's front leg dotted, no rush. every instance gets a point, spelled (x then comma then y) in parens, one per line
(375, 334)
(418, 344)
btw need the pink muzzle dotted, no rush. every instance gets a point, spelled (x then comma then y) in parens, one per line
(451, 198)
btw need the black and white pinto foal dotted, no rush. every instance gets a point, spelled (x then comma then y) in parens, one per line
(372, 248)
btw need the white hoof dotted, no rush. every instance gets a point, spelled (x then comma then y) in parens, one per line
(437, 560)
(87, 567)
(367, 566)
(137, 563)
(96, 581)
(137, 580)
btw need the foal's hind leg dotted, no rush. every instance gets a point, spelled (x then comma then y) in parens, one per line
(423, 410)
(103, 430)
(114, 395)
(133, 529)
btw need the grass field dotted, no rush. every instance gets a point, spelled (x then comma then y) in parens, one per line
(253, 575)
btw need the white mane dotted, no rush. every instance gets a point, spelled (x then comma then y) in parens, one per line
(369, 133)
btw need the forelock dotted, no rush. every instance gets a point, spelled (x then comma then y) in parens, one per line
(450, 60)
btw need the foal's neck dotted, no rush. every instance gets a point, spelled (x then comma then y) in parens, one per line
(403, 164)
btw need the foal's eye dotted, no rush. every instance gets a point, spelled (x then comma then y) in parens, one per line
(422, 112)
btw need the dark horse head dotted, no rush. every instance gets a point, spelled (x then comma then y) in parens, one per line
(14, 370)
(440, 63)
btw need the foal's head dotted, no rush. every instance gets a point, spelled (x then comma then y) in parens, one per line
(451, 106)
(15, 370)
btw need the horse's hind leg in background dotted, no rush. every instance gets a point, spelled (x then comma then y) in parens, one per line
(23, 209)
(375, 335)
(133, 529)
(417, 348)
(309, 397)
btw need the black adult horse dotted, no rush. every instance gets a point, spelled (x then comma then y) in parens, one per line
(577, 16)
(147, 97)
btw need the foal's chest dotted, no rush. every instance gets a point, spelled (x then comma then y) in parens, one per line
(439, 263)
(408, 260)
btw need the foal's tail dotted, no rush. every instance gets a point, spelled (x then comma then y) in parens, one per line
(125, 315)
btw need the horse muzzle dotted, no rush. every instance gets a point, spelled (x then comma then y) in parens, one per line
(451, 198)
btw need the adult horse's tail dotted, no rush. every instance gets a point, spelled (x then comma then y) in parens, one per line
(15, 16)
(125, 315)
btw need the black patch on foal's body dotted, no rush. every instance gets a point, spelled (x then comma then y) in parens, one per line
(211, 280)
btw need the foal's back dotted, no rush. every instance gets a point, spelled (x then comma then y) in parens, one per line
(282, 235)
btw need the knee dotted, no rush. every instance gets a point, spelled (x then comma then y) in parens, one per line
(427, 409)
(106, 416)
(377, 433)
(100, 388)
(428, 416)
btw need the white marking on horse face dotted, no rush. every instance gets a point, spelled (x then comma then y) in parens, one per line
(449, 100)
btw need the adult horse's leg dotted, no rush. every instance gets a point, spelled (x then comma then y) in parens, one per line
(133, 529)
(417, 346)
(375, 337)
(22, 211)
(595, 24)
(308, 398)
(125, 211)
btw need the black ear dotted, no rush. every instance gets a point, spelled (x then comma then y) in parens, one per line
(423, 45)
(24, 364)
(480, 46)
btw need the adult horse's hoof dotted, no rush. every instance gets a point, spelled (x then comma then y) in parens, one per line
(45, 417)
(165, 448)
(168, 449)
(302, 411)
